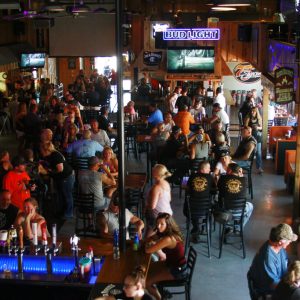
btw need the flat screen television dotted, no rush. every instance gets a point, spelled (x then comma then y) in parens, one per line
(191, 60)
(32, 60)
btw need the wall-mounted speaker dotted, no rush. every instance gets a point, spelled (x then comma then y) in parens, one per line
(244, 32)
(19, 28)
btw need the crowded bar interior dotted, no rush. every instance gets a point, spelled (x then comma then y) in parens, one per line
(149, 149)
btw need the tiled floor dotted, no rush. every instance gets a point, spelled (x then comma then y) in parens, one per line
(224, 278)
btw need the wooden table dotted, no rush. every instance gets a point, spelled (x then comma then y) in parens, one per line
(114, 271)
(135, 181)
(101, 247)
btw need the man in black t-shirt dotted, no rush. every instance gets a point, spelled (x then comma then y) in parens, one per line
(199, 187)
(184, 99)
(8, 212)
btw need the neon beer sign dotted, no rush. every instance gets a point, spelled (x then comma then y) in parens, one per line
(194, 34)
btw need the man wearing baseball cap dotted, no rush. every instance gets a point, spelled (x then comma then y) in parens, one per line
(270, 263)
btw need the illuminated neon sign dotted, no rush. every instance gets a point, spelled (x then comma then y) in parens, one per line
(187, 34)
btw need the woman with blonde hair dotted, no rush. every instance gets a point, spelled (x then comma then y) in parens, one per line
(288, 287)
(110, 161)
(159, 196)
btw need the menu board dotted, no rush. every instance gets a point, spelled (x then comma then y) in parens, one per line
(284, 85)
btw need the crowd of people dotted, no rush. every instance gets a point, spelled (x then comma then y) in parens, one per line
(52, 131)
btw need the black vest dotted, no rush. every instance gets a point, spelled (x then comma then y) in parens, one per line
(241, 149)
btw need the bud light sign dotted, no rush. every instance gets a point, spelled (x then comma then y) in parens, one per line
(246, 73)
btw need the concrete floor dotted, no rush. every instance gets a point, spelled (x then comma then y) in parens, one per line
(223, 278)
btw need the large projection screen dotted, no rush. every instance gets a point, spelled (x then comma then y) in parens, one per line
(89, 35)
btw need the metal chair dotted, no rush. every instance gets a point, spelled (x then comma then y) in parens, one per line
(185, 283)
(130, 140)
(4, 122)
(200, 210)
(84, 211)
(237, 207)
(248, 169)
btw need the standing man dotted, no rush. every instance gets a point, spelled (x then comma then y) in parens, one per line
(16, 182)
(220, 98)
(270, 263)
(184, 99)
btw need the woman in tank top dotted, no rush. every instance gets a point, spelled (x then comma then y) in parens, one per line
(159, 196)
(169, 240)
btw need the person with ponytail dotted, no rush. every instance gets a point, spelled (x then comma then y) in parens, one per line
(134, 285)
(168, 239)
(159, 197)
(288, 287)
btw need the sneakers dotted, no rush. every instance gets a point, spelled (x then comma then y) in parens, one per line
(260, 171)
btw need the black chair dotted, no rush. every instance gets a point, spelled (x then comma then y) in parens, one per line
(84, 208)
(130, 140)
(194, 164)
(80, 163)
(200, 209)
(134, 201)
(185, 283)
(248, 169)
(241, 125)
(237, 207)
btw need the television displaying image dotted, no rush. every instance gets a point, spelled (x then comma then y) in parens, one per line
(32, 60)
(191, 60)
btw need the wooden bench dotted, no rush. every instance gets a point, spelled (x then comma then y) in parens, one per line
(277, 132)
(281, 147)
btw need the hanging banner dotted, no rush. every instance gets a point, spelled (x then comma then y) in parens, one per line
(152, 58)
(284, 85)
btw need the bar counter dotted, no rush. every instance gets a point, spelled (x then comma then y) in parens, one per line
(54, 286)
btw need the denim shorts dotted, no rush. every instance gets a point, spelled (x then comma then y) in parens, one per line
(179, 272)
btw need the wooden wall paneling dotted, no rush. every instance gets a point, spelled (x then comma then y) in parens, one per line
(232, 41)
(223, 41)
(137, 40)
(66, 75)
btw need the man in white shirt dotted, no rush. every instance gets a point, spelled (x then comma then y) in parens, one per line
(99, 135)
(220, 98)
(218, 113)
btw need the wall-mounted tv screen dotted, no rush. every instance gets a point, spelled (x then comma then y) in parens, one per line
(32, 60)
(191, 60)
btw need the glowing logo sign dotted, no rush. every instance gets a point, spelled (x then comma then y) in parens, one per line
(159, 28)
(187, 34)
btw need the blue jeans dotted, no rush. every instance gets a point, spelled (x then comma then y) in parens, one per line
(247, 213)
(243, 163)
(258, 156)
(65, 194)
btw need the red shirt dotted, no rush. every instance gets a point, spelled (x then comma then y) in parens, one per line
(15, 183)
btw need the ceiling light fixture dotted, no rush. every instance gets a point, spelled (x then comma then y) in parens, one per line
(229, 3)
(234, 3)
(54, 6)
(223, 8)
(81, 8)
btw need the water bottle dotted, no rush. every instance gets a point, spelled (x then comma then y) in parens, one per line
(136, 242)
(116, 250)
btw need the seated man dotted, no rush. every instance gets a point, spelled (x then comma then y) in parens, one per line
(99, 135)
(270, 263)
(218, 113)
(245, 148)
(91, 181)
(199, 187)
(85, 147)
(156, 116)
(8, 212)
(108, 220)
(233, 184)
